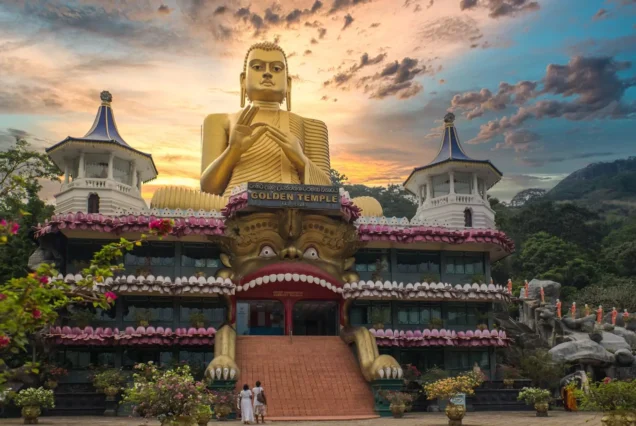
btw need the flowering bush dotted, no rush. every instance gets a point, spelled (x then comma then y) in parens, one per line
(35, 397)
(397, 398)
(161, 227)
(609, 395)
(533, 396)
(222, 401)
(111, 378)
(433, 374)
(166, 394)
(449, 387)
(7, 229)
(411, 373)
(53, 372)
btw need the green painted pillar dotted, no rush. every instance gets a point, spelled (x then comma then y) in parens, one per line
(381, 404)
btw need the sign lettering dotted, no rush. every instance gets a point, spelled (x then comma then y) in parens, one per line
(288, 294)
(311, 197)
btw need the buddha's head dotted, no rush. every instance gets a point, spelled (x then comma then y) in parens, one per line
(265, 76)
(289, 242)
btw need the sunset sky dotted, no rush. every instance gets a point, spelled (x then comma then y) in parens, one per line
(541, 88)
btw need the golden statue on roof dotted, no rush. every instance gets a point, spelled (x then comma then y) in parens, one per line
(260, 143)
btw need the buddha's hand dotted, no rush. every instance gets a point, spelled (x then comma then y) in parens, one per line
(291, 146)
(243, 134)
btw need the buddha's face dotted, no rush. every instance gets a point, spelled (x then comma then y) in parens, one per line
(266, 244)
(265, 76)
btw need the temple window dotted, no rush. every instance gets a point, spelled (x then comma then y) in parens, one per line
(468, 218)
(418, 262)
(214, 312)
(465, 264)
(365, 312)
(152, 310)
(456, 361)
(154, 258)
(441, 185)
(121, 171)
(134, 356)
(418, 314)
(423, 360)
(463, 183)
(93, 203)
(83, 358)
(372, 261)
(423, 193)
(80, 252)
(199, 259)
(197, 359)
(96, 166)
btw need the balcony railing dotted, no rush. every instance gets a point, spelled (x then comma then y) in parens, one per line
(456, 199)
(91, 183)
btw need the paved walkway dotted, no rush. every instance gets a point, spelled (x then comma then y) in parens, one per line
(524, 418)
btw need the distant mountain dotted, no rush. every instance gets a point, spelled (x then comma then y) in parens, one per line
(601, 186)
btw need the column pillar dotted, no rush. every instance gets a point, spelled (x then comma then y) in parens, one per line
(66, 172)
(475, 188)
(452, 182)
(111, 160)
(139, 181)
(134, 174)
(81, 170)
(429, 187)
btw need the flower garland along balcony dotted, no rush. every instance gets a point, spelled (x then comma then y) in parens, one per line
(131, 336)
(441, 337)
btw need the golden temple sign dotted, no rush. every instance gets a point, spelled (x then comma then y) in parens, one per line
(276, 195)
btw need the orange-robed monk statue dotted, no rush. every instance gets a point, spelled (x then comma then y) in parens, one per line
(260, 143)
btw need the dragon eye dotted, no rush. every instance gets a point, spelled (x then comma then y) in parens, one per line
(311, 253)
(267, 251)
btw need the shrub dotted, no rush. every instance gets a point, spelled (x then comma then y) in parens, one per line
(447, 388)
(35, 397)
(397, 398)
(533, 396)
(434, 374)
(609, 395)
(111, 378)
(411, 373)
(166, 395)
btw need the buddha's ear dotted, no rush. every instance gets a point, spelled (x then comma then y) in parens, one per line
(225, 260)
(288, 96)
(243, 91)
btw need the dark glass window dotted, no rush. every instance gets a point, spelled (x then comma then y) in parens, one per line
(365, 312)
(134, 356)
(468, 218)
(459, 361)
(418, 314)
(81, 252)
(200, 256)
(215, 312)
(83, 358)
(150, 309)
(372, 261)
(418, 262)
(467, 314)
(465, 264)
(423, 360)
(151, 254)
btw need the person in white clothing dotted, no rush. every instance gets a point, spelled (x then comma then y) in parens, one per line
(260, 403)
(247, 414)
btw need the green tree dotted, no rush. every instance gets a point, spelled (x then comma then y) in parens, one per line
(337, 179)
(20, 169)
(548, 257)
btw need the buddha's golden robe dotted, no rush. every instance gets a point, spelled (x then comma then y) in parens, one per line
(264, 161)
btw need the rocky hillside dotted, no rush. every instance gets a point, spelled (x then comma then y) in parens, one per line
(601, 186)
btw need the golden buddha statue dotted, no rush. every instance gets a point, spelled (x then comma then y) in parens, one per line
(260, 143)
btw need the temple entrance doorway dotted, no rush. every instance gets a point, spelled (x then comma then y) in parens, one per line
(315, 318)
(260, 318)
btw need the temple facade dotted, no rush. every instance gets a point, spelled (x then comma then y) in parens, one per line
(419, 287)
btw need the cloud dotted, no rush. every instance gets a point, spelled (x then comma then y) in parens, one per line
(600, 14)
(538, 162)
(340, 5)
(501, 8)
(345, 76)
(396, 79)
(164, 10)
(520, 140)
(592, 83)
(348, 20)
(449, 29)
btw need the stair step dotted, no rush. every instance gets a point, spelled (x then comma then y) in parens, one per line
(308, 377)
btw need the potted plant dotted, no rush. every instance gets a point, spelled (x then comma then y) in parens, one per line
(222, 401)
(482, 327)
(172, 396)
(377, 318)
(411, 373)
(397, 401)
(51, 374)
(197, 319)
(446, 389)
(32, 400)
(82, 317)
(615, 398)
(110, 382)
(203, 414)
(510, 374)
(435, 323)
(430, 278)
(539, 398)
(143, 317)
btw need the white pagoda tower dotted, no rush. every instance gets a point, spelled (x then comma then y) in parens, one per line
(102, 173)
(451, 189)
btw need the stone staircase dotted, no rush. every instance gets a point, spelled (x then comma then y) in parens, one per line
(305, 377)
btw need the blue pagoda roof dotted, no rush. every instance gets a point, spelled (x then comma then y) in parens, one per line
(451, 148)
